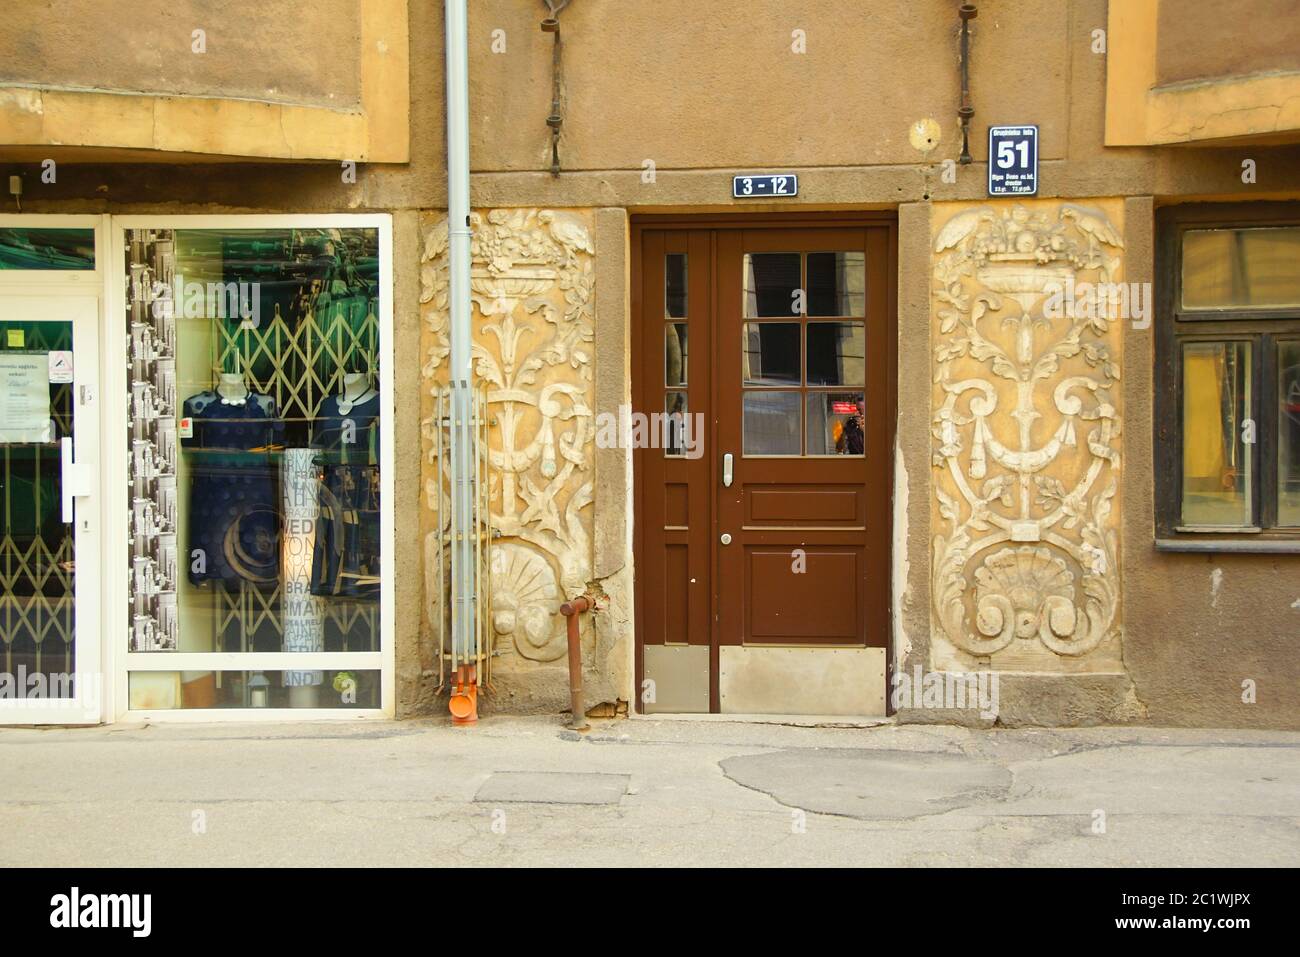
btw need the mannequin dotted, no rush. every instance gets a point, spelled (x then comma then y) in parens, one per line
(233, 517)
(345, 435)
(232, 389)
(357, 390)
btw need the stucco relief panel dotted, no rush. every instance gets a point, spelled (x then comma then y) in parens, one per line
(532, 283)
(1026, 436)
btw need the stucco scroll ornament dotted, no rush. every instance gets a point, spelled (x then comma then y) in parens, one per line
(998, 267)
(532, 282)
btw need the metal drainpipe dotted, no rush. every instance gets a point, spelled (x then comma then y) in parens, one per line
(463, 600)
(571, 610)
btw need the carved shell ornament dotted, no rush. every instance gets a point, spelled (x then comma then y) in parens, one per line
(1025, 593)
(524, 599)
(1018, 390)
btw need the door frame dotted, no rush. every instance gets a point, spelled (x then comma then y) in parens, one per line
(638, 226)
(93, 704)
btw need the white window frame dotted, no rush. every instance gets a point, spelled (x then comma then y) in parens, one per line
(90, 633)
(115, 458)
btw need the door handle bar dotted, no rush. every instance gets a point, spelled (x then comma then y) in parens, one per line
(74, 480)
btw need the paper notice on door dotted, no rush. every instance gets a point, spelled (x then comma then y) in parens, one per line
(25, 398)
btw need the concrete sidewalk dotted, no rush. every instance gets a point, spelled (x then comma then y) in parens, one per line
(526, 791)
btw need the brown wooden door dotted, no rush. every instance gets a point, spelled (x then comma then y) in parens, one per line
(674, 372)
(789, 342)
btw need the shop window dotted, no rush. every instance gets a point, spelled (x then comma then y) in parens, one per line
(1227, 400)
(255, 468)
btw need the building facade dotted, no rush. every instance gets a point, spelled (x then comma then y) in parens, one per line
(782, 355)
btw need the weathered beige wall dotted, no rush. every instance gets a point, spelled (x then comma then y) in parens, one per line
(1021, 70)
(533, 281)
(685, 83)
(176, 82)
(677, 91)
(275, 50)
(1199, 40)
(1026, 568)
(1196, 626)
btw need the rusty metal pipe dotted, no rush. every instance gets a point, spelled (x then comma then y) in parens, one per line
(967, 12)
(571, 610)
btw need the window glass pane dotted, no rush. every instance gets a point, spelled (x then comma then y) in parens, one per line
(676, 437)
(675, 285)
(771, 282)
(1217, 469)
(836, 353)
(1237, 268)
(837, 284)
(47, 249)
(1288, 438)
(835, 423)
(772, 423)
(675, 353)
(181, 690)
(255, 443)
(771, 353)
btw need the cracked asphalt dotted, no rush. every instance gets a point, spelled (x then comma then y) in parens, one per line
(646, 792)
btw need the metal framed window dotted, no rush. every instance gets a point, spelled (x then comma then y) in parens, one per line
(372, 668)
(1227, 378)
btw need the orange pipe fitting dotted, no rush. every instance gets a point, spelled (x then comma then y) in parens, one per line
(464, 698)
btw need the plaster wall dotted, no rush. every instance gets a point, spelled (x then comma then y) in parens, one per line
(705, 91)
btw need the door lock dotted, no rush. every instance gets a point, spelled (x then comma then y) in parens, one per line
(725, 538)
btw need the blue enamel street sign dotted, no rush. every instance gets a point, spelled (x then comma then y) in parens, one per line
(779, 184)
(1013, 160)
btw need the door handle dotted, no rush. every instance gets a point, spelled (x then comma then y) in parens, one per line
(74, 480)
(726, 470)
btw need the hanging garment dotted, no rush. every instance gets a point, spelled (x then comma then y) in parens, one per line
(346, 558)
(234, 523)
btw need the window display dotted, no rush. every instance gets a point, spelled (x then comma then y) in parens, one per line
(256, 495)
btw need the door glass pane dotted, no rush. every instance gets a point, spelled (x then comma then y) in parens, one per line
(1217, 464)
(1235, 268)
(255, 448)
(1288, 438)
(675, 436)
(772, 281)
(771, 353)
(836, 353)
(675, 285)
(837, 284)
(37, 558)
(47, 249)
(771, 421)
(835, 423)
(675, 353)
